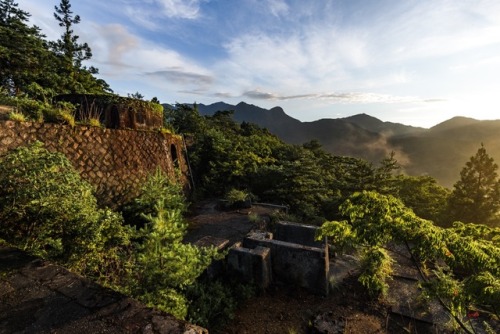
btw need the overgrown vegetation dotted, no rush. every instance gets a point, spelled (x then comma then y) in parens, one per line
(48, 210)
(465, 257)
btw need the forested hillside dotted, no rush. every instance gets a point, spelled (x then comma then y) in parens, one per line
(439, 152)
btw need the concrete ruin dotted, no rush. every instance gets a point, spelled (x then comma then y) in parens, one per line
(116, 112)
(298, 260)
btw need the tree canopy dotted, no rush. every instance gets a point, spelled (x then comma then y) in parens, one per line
(29, 63)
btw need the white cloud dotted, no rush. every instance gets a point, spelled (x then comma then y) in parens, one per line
(278, 7)
(185, 9)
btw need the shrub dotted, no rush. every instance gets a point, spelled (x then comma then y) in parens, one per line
(213, 303)
(157, 186)
(61, 112)
(238, 199)
(49, 210)
(163, 266)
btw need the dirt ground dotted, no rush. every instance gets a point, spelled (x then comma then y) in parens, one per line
(286, 310)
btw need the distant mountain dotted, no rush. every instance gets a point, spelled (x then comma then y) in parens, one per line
(440, 151)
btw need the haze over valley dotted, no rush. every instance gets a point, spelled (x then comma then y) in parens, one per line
(440, 151)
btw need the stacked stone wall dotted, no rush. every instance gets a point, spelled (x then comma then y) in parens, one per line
(115, 162)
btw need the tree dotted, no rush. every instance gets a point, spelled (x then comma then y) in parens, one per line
(136, 95)
(424, 196)
(71, 54)
(164, 266)
(457, 265)
(476, 196)
(24, 54)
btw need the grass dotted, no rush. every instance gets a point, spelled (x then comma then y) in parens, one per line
(17, 116)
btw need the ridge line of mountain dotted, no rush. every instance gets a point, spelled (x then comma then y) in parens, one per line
(440, 151)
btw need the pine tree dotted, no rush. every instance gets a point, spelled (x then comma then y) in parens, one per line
(24, 54)
(72, 54)
(476, 196)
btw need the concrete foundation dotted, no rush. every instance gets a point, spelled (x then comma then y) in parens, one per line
(295, 264)
(253, 265)
(297, 233)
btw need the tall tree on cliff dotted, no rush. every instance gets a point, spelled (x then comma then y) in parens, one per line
(72, 53)
(476, 196)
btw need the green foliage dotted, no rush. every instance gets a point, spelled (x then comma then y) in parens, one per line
(24, 55)
(47, 209)
(227, 155)
(213, 303)
(167, 266)
(162, 266)
(234, 196)
(476, 196)
(38, 68)
(469, 252)
(376, 268)
(17, 117)
(157, 187)
(450, 291)
(424, 196)
(341, 235)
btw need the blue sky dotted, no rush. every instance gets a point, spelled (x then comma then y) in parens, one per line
(416, 62)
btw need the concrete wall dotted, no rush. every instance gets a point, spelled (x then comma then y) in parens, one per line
(115, 162)
(292, 263)
(297, 233)
(252, 265)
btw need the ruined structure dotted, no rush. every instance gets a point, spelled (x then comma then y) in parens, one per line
(296, 259)
(115, 162)
(116, 112)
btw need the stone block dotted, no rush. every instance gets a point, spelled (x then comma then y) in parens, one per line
(252, 265)
(297, 233)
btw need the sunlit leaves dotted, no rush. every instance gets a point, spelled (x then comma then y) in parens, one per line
(471, 252)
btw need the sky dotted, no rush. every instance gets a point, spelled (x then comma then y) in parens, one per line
(416, 62)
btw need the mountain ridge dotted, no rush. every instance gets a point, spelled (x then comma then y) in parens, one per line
(440, 151)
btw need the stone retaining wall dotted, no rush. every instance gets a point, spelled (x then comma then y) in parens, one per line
(115, 162)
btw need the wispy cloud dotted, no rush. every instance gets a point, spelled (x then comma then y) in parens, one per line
(278, 7)
(338, 97)
(150, 14)
(185, 9)
(179, 76)
(304, 54)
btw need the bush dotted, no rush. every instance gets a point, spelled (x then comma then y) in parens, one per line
(213, 303)
(48, 209)
(238, 199)
(17, 117)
